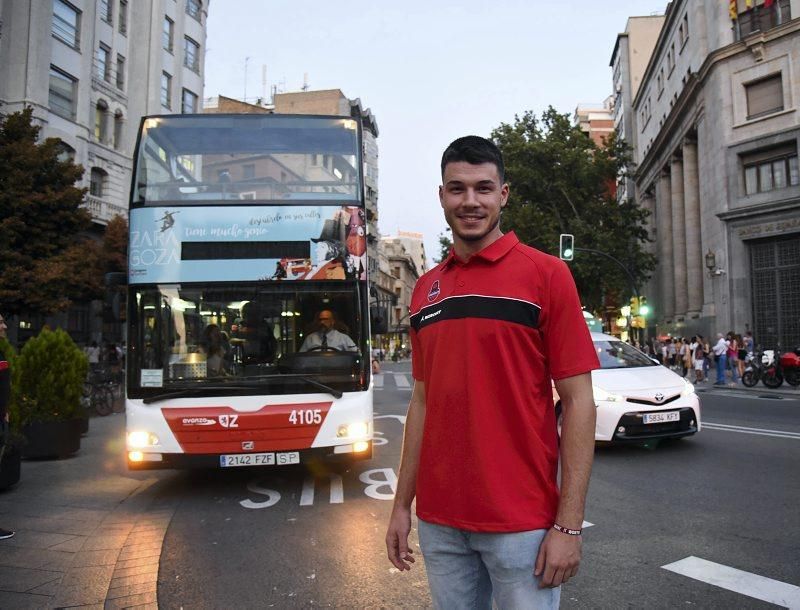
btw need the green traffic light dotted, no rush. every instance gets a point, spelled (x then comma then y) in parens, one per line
(568, 253)
(644, 310)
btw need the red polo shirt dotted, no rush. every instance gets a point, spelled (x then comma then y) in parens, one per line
(487, 335)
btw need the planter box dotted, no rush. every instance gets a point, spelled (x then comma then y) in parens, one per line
(10, 467)
(51, 439)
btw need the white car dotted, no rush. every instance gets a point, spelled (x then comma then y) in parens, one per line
(637, 399)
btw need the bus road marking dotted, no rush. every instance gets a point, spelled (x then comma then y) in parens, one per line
(746, 430)
(401, 381)
(400, 418)
(738, 581)
(378, 379)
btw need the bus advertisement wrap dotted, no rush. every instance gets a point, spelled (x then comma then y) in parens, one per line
(246, 243)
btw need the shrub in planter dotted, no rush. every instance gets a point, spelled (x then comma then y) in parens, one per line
(11, 451)
(48, 395)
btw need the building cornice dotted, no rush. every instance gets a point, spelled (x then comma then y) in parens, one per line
(773, 207)
(676, 127)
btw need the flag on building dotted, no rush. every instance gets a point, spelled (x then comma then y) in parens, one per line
(768, 3)
(748, 4)
(733, 10)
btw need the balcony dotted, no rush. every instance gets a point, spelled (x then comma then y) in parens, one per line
(103, 211)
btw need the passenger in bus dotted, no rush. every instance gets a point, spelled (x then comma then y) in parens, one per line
(326, 335)
(213, 345)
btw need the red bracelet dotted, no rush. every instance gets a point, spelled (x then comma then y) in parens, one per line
(566, 530)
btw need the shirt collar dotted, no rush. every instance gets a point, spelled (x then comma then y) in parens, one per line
(491, 253)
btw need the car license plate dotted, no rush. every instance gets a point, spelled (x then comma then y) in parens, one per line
(661, 417)
(259, 459)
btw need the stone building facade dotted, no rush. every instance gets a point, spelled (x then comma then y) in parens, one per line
(716, 147)
(400, 259)
(90, 69)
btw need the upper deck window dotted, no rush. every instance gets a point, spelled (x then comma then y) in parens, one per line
(264, 158)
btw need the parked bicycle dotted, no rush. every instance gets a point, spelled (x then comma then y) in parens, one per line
(100, 391)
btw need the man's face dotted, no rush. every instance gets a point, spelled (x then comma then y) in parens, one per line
(326, 320)
(472, 197)
(3, 327)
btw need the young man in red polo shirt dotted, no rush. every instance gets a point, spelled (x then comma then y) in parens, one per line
(491, 325)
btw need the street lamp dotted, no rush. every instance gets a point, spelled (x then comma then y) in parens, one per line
(711, 264)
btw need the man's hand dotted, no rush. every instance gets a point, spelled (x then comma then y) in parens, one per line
(397, 538)
(558, 559)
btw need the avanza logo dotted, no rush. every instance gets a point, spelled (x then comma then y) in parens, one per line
(434, 292)
(198, 421)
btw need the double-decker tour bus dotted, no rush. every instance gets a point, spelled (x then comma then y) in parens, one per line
(248, 313)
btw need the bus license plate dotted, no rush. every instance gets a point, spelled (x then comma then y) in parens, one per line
(259, 459)
(663, 416)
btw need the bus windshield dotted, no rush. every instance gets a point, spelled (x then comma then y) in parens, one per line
(185, 160)
(257, 339)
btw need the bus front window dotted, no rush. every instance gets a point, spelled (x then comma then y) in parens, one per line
(234, 334)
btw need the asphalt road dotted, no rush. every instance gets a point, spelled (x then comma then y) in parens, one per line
(721, 507)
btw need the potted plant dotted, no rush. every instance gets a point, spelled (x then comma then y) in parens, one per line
(10, 446)
(52, 370)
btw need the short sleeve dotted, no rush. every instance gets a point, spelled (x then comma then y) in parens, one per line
(567, 340)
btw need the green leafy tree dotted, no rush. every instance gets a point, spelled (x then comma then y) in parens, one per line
(561, 182)
(445, 243)
(46, 263)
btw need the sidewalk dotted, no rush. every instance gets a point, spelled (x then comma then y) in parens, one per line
(784, 391)
(88, 532)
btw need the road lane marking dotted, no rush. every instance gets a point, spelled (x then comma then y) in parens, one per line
(739, 581)
(400, 418)
(378, 381)
(401, 381)
(747, 430)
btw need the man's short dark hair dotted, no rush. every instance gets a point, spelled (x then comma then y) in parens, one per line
(474, 150)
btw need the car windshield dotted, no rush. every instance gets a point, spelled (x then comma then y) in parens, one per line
(620, 355)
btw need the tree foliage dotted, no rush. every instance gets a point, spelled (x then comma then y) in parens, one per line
(445, 243)
(46, 262)
(560, 183)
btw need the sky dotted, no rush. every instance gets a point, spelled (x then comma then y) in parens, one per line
(430, 71)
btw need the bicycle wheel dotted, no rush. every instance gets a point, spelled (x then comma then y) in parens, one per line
(102, 400)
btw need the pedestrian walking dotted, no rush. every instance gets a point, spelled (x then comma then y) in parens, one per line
(721, 358)
(489, 326)
(732, 355)
(5, 398)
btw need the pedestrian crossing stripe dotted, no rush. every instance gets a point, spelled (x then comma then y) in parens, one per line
(401, 381)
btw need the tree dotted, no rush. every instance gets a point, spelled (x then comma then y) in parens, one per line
(115, 245)
(445, 243)
(47, 259)
(560, 183)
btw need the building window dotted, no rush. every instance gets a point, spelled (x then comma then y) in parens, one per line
(103, 64)
(770, 170)
(123, 17)
(683, 30)
(65, 152)
(120, 71)
(193, 9)
(66, 24)
(105, 11)
(660, 81)
(188, 102)
(191, 54)
(101, 121)
(119, 122)
(671, 59)
(248, 171)
(761, 18)
(764, 96)
(167, 35)
(62, 96)
(96, 180)
(166, 90)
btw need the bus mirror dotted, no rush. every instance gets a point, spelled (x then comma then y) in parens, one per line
(378, 322)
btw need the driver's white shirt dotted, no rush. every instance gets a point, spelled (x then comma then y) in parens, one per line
(336, 340)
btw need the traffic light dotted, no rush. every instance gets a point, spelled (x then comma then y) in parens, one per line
(644, 308)
(634, 306)
(566, 250)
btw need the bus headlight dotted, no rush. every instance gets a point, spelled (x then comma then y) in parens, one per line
(141, 438)
(357, 429)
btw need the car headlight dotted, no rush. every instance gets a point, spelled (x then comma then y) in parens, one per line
(600, 395)
(688, 388)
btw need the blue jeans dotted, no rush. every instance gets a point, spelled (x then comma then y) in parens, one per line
(722, 364)
(465, 569)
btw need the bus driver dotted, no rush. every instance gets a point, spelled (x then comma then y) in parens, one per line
(326, 336)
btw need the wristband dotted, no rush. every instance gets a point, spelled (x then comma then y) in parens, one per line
(565, 530)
